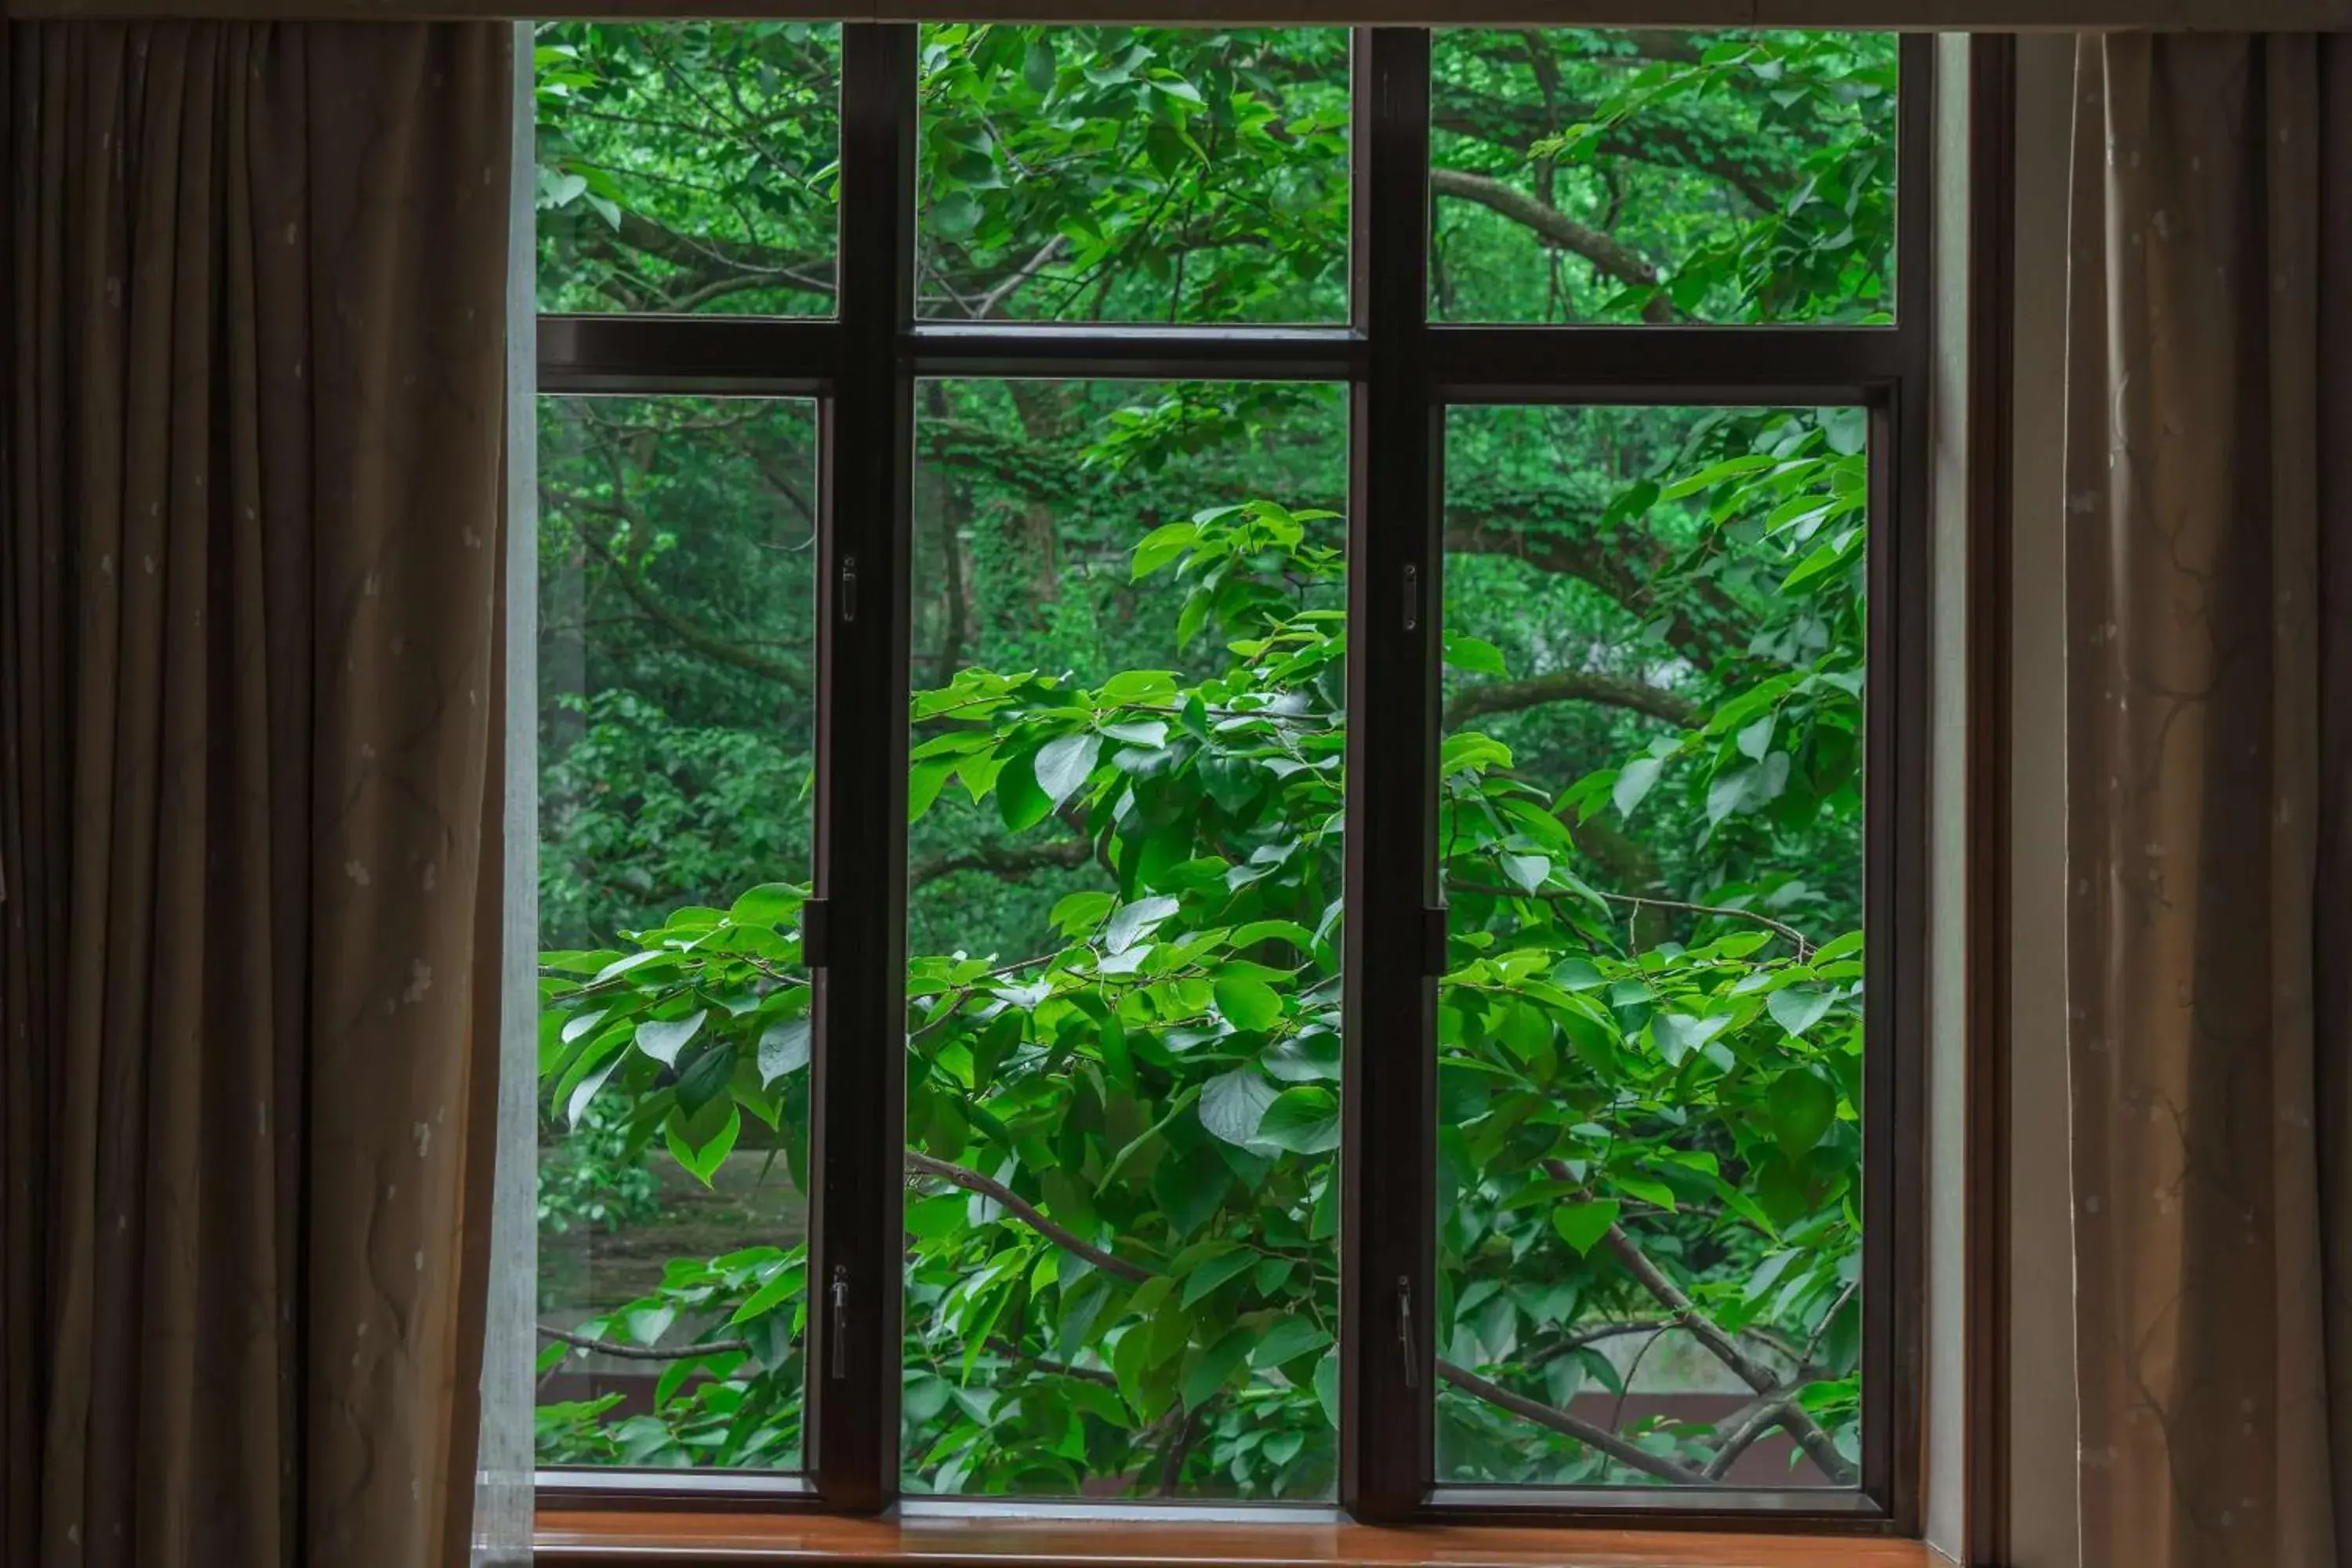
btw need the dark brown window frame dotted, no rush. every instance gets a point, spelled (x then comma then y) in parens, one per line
(1403, 371)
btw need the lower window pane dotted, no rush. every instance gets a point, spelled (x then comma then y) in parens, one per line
(1650, 1031)
(677, 542)
(1123, 1041)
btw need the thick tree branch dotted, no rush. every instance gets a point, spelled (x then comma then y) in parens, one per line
(1009, 861)
(1612, 256)
(1573, 686)
(1807, 1432)
(1755, 1421)
(1590, 1433)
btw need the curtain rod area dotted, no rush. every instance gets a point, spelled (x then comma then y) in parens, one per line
(1938, 15)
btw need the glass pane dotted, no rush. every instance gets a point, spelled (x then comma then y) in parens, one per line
(1122, 1119)
(1133, 175)
(1584, 176)
(688, 166)
(675, 732)
(1650, 1032)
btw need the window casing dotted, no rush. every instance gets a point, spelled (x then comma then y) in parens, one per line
(1402, 372)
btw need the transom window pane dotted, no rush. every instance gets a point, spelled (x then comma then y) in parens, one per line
(1133, 175)
(688, 166)
(1650, 1028)
(1643, 175)
(1123, 1028)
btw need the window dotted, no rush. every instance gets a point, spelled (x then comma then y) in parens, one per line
(1208, 830)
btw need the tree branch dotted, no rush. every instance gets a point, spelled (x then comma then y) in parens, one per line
(1807, 1432)
(1025, 1211)
(1543, 1415)
(645, 1353)
(694, 635)
(1573, 686)
(1009, 861)
(1586, 1432)
(1612, 256)
(1758, 1419)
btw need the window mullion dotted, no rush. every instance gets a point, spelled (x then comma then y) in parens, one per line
(1387, 1162)
(853, 1282)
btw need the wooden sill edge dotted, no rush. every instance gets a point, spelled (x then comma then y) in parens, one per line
(576, 1540)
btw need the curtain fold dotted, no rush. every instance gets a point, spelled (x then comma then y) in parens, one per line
(2210, 718)
(248, 686)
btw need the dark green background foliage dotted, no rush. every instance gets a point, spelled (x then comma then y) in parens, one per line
(1128, 739)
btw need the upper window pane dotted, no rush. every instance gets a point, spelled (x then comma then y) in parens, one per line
(1618, 177)
(1133, 175)
(688, 166)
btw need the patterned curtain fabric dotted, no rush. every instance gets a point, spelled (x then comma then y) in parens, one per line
(249, 686)
(2210, 729)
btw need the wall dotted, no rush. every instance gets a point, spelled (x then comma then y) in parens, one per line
(2042, 1394)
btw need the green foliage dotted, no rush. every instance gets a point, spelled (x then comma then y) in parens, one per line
(1126, 782)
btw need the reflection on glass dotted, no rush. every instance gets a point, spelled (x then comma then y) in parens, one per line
(1133, 174)
(1645, 175)
(677, 604)
(1123, 1014)
(688, 166)
(1650, 1030)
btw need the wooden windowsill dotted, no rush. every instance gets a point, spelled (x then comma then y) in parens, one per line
(711, 1539)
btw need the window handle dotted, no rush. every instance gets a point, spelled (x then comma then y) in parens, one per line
(1404, 1331)
(840, 1325)
(849, 588)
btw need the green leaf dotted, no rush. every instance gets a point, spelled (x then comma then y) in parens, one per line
(1583, 1224)
(1634, 782)
(1019, 800)
(769, 904)
(1527, 871)
(705, 1079)
(1248, 1003)
(1213, 1368)
(1233, 1104)
(1474, 655)
(1306, 1058)
(784, 1049)
(1160, 547)
(1134, 922)
(1802, 1105)
(1063, 765)
(1304, 1121)
(1797, 1008)
(1847, 430)
(662, 1041)
(954, 215)
(1037, 65)
(1290, 1337)
(1215, 1271)
(1326, 1386)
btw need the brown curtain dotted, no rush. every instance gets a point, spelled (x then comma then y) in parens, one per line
(249, 537)
(2209, 495)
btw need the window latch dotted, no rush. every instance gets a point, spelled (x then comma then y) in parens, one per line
(840, 1325)
(848, 588)
(816, 932)
(1412, 598)
(1405, 1334)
